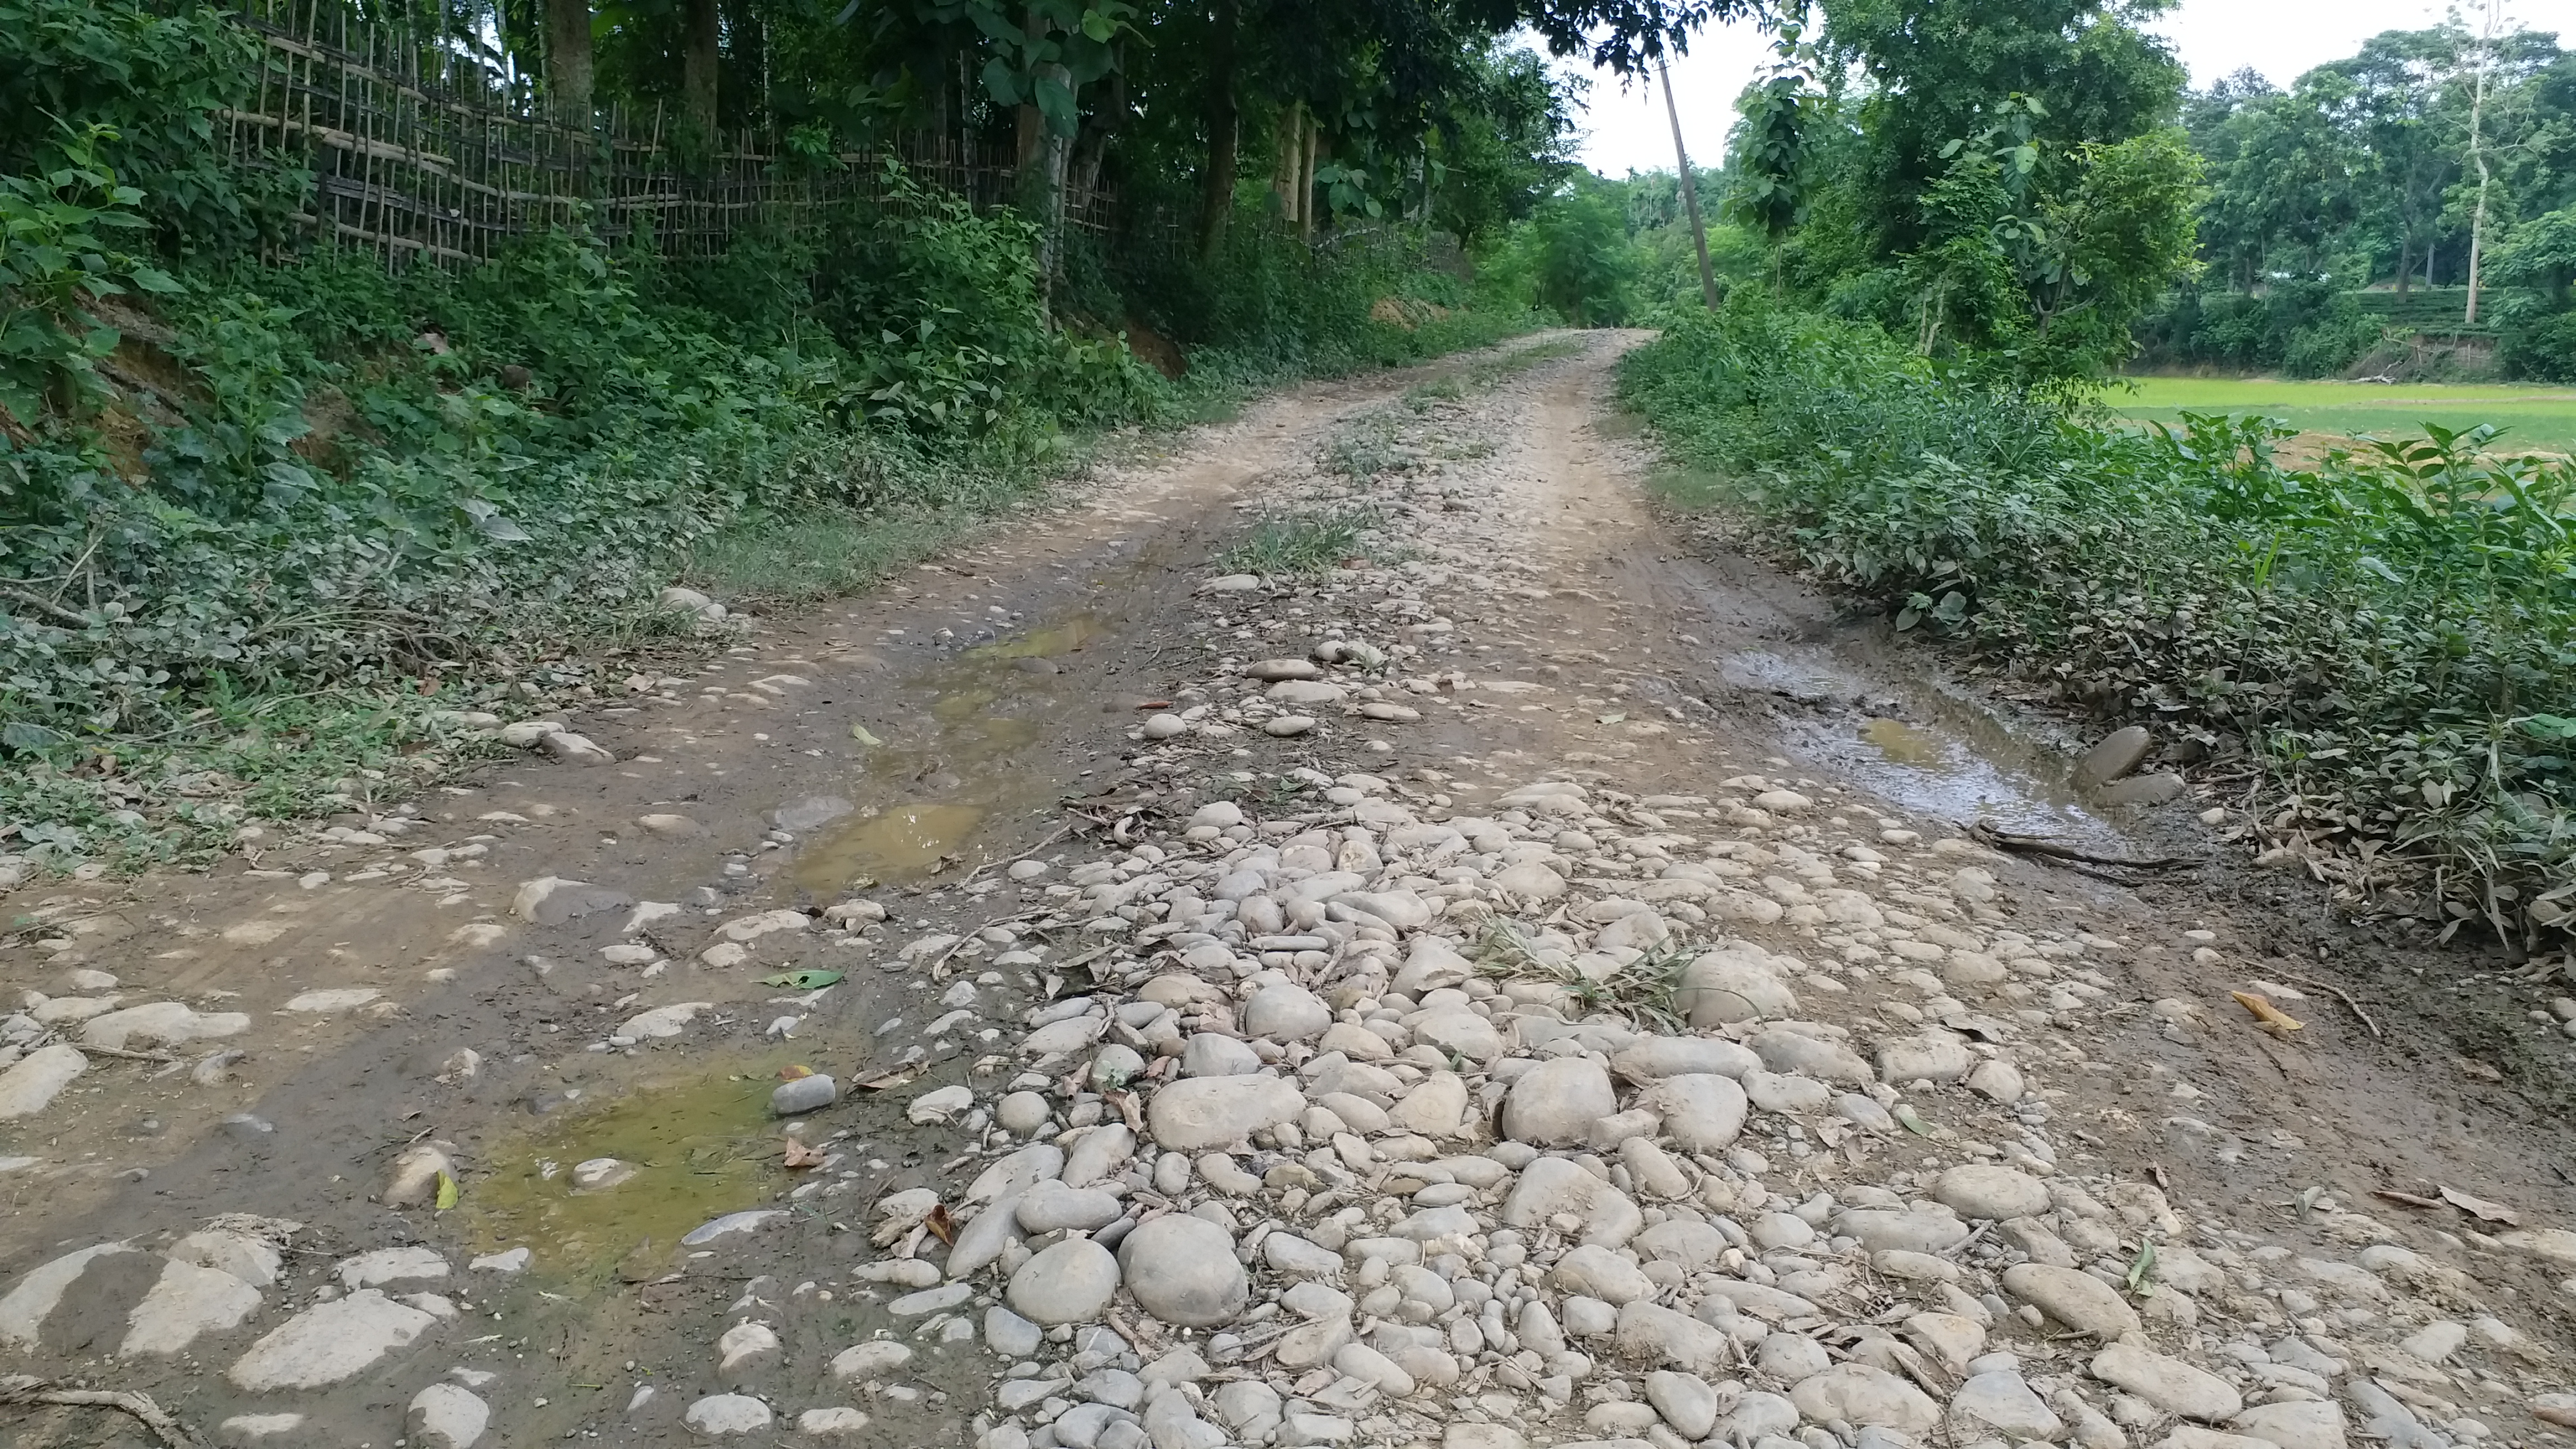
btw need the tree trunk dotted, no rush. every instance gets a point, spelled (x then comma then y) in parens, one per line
(1224, 132)
(1690, 189)
(2405, 257)
(1290, 164)
(1306, 182)
(2478, 153)
(701, 33)
(568, 69)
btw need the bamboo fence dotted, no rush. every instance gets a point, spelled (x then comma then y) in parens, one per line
(423, 150)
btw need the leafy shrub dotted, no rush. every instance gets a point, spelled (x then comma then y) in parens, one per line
(2390, 633)
(2542, 349)
(152, 79)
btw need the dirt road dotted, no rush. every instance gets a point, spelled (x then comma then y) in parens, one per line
(1528, 981)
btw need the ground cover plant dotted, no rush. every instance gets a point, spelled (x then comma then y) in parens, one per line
(2385, 642)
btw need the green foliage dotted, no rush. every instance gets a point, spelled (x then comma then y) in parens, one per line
(2543, 349)
(2302, 328)
(1940, 67)
(143, 86)
(55, 264)
(2389, 634)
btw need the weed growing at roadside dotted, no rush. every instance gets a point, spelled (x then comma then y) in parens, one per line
(2388, 639)
(1288, 545)
(1647, 990)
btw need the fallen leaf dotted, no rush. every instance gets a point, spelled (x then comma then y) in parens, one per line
(2272, 1017)
(941, 1223)
(448, 1191)
(860, 733)
(789, 1074)
(2480, 1208)
(1907, 1118)
(885, 1081)
(2139, 1269)
(799, 1154)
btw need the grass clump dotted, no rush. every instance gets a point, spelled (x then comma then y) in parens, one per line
(1288, 545)
(1646, 989)
(2384, 642)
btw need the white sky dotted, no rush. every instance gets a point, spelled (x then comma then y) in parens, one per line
(2280, 38)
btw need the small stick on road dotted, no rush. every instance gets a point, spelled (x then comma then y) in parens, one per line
(25, 1389)
(2340, 995)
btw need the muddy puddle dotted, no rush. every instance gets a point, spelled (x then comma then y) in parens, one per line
(699, 1146)
(969, 758)
(1916, 742)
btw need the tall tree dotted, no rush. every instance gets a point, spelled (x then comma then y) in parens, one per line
(1938, 68)
(568, 67)
(701, 61)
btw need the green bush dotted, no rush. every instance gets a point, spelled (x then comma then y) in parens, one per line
(2391, 633)
(2541, 349)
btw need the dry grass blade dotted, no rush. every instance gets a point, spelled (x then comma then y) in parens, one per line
(1647, 989)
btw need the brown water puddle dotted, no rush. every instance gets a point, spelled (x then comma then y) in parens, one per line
(702, 1147)
(969, 760)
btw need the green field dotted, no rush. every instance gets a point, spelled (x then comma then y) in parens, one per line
(2536, 417)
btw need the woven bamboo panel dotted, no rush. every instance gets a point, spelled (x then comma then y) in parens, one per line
(421, 150)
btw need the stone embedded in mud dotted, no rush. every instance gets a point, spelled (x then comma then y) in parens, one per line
(748, 1220)
(663, 1022)
(807, 812)
(1271, 671)
(1285, 1012)
(2168, 1383)
(187, 1301)
(1733, 983)
(575, 749)
(1651, 1058)
(2142, 790)
(1182, 1269)
(1555, 1103)
(2078, 1300)
(1983, 1190)
(1529, 881)
(1069, 1282)
(1288, 725)
(1231, 584)
(1305, 692)
(1162, 726)
(552, 900)
(159, 1024)
(1702, 1112)
(670, 827)
(2116, 755)
(804, 1094)
(30, 1085)
(1197, 1113)
(329, 1342)
(1858, 1393)
(1938, 1057)
(598, 1174)
(718, 1415)
(448, 1416)
(413, 1178)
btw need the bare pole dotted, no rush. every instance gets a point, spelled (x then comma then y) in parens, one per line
(2478, 153)
(1690, 189)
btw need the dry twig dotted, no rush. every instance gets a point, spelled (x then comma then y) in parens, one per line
(26, 1389)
